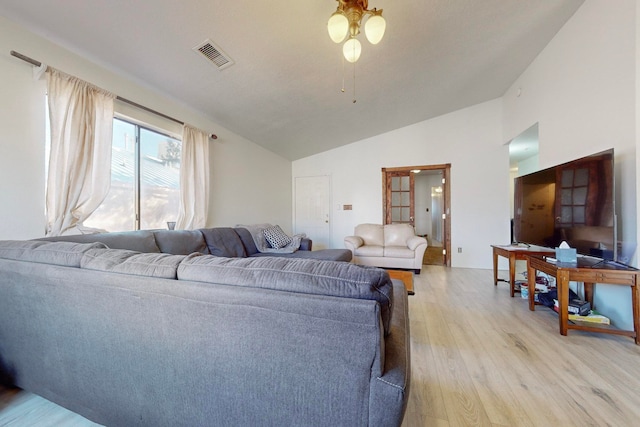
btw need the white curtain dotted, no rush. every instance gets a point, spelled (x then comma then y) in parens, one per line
(194, 179)
(81, 117)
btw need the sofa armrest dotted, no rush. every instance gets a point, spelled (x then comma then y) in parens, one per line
(305, 244)
(395, 382)
(353, 242)
(415, 241)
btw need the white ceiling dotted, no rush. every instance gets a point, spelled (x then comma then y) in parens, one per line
(283, 92)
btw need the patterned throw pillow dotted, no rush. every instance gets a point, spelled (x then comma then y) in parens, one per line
(276, 237)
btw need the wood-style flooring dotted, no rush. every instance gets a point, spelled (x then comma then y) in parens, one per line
(21, 409)
(479, 358)
(433, 256)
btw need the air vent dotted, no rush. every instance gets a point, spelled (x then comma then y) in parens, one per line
(214, 54)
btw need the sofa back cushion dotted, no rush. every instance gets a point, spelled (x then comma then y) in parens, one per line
(398, 234)
(140, 241)
(68, 254)
(223, 241)
(131, 262)
(330, 278)
(181, 242)
(371, 234)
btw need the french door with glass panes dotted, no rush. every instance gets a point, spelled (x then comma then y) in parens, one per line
(400, 207)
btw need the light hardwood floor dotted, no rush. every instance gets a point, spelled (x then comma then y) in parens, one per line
(479, 358)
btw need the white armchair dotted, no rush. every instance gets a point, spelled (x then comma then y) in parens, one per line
(387, 246)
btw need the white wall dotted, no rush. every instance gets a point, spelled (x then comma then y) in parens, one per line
(22, 113)
(243, 189)
(581, 91)
(469, 139)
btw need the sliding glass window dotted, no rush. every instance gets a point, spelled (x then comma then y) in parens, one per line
(145, 180)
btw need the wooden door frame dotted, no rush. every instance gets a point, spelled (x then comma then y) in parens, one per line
(446, 174)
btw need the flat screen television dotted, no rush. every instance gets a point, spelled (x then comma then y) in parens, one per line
(572, 202)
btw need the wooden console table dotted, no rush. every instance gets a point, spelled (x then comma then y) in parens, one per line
(589, 272)
(513, 253)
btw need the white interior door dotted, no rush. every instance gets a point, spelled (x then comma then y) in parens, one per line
(312, 209)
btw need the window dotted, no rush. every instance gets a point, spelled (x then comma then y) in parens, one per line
(145, 180)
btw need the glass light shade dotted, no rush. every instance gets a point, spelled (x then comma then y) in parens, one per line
(338, 26)
(352, 49)
(374, 28)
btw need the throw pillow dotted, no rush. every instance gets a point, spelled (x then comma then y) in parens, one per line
(276, 237)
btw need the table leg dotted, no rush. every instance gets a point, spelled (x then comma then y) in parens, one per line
(512, 273)
(635, 300)
(531, 285)
(588, 293)
(562, 286)
(495, 267)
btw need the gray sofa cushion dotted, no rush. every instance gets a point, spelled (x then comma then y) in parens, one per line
(140, 241)
(68, 254)
(322, 254)
(130, 262)
(308, 276)
(180, 242)
(219, 241)
(224, 241)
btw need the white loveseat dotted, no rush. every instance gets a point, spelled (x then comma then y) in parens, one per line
(387, 246)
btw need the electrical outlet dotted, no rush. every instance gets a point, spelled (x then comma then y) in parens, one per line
(459, 250)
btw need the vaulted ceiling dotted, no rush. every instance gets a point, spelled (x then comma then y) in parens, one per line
(283, 91)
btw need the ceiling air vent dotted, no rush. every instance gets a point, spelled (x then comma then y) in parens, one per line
(213, 54)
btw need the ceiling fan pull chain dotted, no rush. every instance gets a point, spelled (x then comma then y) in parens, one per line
(344, 71)
(354, 82)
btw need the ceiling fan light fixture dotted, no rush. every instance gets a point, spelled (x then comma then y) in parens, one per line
(352, 49)
(338, 26)
(347, 20)
(374, 27)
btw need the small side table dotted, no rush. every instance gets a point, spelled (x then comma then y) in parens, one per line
(405, 276)
(514, 253)
(589, 272)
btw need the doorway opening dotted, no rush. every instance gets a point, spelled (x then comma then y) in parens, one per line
(421, 196)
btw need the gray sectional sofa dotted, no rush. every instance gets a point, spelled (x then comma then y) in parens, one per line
(219, 241)
(127, 337)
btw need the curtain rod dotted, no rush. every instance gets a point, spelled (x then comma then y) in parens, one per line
(119, 98)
